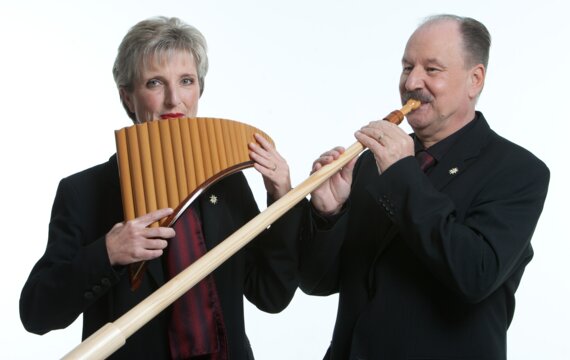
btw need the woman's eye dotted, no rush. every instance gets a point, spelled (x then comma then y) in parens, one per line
(187, 81)
(152, 83)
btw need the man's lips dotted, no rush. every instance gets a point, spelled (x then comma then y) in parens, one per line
(171, 116)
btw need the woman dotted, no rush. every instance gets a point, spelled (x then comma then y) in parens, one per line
(159, 71)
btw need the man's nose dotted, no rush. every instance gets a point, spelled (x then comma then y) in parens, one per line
(414, 80)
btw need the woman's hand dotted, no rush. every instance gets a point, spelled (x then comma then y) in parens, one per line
(272, 167)
(134, 241)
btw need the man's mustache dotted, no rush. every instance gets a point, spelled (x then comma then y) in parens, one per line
(416, 95)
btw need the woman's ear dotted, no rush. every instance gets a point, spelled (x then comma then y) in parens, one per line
(126, 99)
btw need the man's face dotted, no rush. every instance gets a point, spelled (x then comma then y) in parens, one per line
(434, 72)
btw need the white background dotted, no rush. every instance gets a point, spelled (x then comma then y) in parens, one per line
(309, 73)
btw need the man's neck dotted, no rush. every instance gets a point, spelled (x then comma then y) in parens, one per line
(448, 128)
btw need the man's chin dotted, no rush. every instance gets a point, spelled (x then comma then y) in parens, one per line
(418, 120)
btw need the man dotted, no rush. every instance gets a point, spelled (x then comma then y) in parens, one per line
(426, 264)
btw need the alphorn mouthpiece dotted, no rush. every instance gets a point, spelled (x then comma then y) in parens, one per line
(397, 116)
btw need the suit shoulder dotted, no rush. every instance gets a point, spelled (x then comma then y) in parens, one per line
(515, 154)
(105, 171)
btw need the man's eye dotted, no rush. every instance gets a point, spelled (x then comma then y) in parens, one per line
(406, 69)
(432, 69)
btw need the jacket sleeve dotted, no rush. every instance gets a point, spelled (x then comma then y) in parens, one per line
(71, 275)
(321, 244)
(475, 247)
(271, 273)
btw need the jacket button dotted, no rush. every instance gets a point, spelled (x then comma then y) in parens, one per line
(88, 295)
(105, 282)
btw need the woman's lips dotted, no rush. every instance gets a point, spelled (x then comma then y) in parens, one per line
(171, 116)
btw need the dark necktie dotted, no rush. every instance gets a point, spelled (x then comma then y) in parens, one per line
(425, 159)
(196, 326)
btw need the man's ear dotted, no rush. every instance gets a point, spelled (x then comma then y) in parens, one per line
(476, 80)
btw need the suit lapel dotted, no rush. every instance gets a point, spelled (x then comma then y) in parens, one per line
(214, 212)
(461, 155)
(210, 207)
(155, 271)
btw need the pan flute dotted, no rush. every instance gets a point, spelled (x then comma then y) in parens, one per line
(169, 163)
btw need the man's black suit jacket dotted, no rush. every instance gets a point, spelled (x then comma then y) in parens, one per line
(74, 276)
(426, 267)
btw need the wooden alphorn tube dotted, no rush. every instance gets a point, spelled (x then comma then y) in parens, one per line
(112, 336)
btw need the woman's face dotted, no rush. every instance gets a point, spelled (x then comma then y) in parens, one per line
(167, 88)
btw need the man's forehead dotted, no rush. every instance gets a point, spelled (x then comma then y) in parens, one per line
(431, 39)
(446, 25)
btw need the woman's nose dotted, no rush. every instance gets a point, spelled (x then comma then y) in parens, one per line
(172, 97)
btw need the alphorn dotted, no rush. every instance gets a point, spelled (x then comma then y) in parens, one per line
(113, 335)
